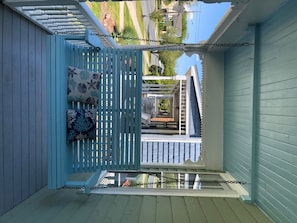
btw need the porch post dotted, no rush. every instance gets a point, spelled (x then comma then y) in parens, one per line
(56, 111)
(213, 108)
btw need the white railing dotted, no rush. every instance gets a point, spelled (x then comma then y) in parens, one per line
(168, 150)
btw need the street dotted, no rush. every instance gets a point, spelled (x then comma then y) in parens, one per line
(147, 8)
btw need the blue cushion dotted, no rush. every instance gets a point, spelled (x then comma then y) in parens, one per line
(81, 124)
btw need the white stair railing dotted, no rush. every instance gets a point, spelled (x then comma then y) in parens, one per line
(168, 150)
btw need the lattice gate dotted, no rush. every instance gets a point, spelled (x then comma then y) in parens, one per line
(117, 143)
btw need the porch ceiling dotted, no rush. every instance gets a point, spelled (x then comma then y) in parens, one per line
(64, 17)
(238, 19)
(161, 89)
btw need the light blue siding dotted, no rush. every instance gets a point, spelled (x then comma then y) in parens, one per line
(23, 157)
(273, 107)
(277, 114)
(238, 108)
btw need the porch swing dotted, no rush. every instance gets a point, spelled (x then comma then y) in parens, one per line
(78, 162)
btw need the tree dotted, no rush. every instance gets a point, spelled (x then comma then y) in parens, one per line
(127, 37)
(168, 58)
(157, 15)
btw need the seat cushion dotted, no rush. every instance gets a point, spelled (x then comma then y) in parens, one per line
(83, 86)
(81, 124)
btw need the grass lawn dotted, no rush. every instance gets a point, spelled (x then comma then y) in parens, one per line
(96, 9)
(129, 31)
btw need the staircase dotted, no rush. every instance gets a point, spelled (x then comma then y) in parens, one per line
(183, 107)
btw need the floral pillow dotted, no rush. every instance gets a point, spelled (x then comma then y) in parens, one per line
(81, 124)
(83, 86)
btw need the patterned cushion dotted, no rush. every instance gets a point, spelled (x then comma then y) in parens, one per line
(81, 124)
(83, 86)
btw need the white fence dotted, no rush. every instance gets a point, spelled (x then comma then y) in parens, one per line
(157, 149)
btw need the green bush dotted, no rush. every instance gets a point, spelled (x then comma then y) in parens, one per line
(128, 37)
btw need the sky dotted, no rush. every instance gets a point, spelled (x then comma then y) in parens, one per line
(201, 21)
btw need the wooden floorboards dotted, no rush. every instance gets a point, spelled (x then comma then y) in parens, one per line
(64, 205)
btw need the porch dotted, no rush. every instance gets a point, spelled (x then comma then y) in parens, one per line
(58, 205)
(66, 205)
(117, 143)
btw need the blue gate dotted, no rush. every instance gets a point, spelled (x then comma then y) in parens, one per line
(116, 144)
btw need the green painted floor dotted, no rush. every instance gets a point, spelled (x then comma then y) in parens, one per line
(64, 205)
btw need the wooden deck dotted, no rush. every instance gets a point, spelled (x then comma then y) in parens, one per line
(67, 205)
(158, 119)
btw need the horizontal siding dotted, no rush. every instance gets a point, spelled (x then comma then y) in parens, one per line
(237, 112)
(23, 156)
(277, 116)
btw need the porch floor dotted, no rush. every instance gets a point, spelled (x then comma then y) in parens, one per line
(65, 205)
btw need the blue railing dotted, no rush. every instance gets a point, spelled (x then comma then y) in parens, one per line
(117, 144)
(118, 130)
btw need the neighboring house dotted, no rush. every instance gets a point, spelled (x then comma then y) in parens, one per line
(172, 9)
(184, 116)
(248, 126)
(173, 14)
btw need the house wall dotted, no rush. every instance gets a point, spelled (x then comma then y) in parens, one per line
(238, 108)
(23, 155)
(269, 160)
(195, 118)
